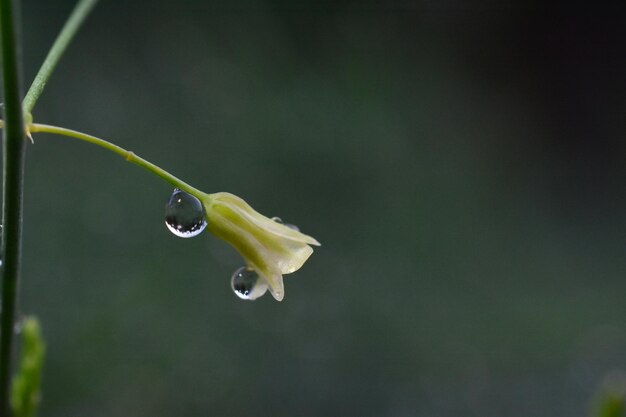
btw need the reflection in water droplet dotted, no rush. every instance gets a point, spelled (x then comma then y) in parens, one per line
(247, 284)
(277, 220)
(184, 214)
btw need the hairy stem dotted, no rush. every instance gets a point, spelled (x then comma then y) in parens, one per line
(13, 174)
(127, 155)
(82, 9)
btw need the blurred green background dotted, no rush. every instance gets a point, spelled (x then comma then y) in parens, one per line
(461, 163)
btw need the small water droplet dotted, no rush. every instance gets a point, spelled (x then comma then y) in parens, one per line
(184, 214)
(247, 284)
(289, 225)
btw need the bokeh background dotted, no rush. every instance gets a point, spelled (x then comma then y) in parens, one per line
(462, 164)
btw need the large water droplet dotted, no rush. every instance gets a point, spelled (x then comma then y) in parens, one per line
(184, 214)
(247, 284)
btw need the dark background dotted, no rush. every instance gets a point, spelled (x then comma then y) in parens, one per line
(462, 164)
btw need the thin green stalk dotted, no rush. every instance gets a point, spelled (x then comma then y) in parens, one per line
(127, 155)
(13, 176)
(81, 11)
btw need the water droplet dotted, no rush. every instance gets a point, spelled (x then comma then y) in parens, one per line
(289, 225)
(247, 284)
(184, 214)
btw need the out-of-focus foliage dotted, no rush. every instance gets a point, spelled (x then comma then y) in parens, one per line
(611, 401)
(26, 387)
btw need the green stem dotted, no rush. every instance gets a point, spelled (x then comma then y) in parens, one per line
(82, 9)
(13, 176)
(127, 155)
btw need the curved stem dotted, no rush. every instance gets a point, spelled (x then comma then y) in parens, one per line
(13, 185)
(82, 9)
(127, 155)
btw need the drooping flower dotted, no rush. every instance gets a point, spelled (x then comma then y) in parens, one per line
(268, 247)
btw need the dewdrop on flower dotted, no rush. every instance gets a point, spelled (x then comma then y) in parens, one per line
(269, 247)
(184, 214)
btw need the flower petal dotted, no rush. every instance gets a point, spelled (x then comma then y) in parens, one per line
(270, 248)
(275, 285)
(239, 205)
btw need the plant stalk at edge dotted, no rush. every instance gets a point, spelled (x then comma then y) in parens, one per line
(13, 185)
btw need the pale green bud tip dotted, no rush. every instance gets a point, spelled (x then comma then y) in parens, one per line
(25, 390)
(270, 248)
